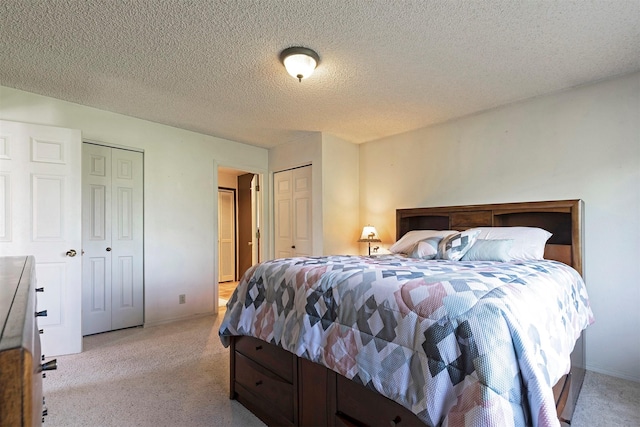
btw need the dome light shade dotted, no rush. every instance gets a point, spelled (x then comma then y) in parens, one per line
(299, 61)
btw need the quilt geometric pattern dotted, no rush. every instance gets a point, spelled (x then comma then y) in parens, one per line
(457, 343)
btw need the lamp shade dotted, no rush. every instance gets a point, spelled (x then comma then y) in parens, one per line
(369, 234)
(299, 61)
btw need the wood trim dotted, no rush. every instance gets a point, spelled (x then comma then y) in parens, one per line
(566, 215)
(561, 394)
(232, 369)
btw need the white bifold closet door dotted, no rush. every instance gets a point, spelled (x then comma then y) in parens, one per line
(293, 212)
(112, 235)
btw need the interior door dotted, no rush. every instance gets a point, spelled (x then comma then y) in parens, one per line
(40, 215)
(245, 230)
(113, 283)
(292, 216)
(226, 235)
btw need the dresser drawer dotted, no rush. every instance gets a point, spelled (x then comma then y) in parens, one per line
(359, 406)
(266, 390)
(268, 355)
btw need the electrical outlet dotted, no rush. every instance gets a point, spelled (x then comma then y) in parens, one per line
(182, 298)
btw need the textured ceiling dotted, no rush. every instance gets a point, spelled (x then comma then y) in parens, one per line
(386, 66)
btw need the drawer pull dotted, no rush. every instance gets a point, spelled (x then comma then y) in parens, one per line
(258, 383)
(45, 412)
(258, 347)
(42, 313)
(394, 422)
(41, 331)
(50, 365)
(39, 289)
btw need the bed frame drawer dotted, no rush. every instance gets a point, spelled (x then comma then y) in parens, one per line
(358, 406)
(264, 389)
(273, 358)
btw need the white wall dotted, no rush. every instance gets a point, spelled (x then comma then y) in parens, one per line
(583, 143)
(334, 184)
(180, 184)
(340, 201)
(303, 152)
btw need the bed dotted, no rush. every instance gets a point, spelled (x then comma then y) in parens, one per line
(399, 340)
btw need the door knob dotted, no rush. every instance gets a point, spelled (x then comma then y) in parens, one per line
(108, 249)
(71, 253)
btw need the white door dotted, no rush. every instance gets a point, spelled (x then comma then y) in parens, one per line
(113, 284)
(292, 202)
(226, 235)
(302, 209)
(283, 210)
(40, 215)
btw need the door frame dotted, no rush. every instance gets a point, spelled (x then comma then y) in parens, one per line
(235, 232)
(265, 230)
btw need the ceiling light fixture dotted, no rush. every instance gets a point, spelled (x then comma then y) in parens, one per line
(299, 61)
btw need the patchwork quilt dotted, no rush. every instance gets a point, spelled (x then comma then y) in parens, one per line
(457, 343)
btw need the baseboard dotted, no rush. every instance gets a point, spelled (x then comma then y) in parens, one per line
(178, 319)
(613, 374)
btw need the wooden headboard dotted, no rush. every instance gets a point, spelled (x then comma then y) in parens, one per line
(562, 218)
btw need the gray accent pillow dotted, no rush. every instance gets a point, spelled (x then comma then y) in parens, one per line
(455, 246)
(489, 250)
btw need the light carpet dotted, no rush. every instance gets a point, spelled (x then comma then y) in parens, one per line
(177, 374)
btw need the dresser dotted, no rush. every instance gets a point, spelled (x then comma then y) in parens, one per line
(21, 400)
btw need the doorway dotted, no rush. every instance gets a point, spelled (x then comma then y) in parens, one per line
(239, 220)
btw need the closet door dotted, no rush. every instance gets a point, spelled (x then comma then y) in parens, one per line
(292, 205)
(96, 238)
(127, 290)
(112, 296)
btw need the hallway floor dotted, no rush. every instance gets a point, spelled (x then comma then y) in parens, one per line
(225, 289)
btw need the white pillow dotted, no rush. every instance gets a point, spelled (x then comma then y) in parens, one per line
(425, 249)
(409, 240)
(528, 242)
(489, 250)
